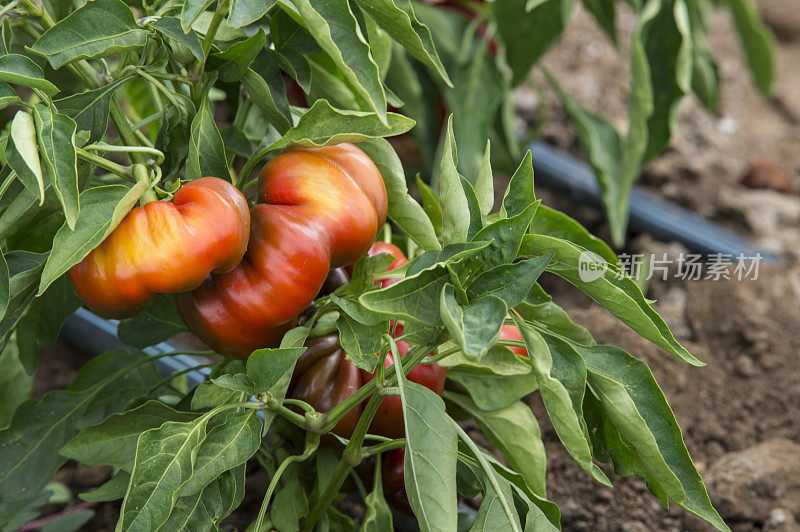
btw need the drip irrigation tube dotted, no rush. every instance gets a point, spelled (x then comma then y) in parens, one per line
(649, 213)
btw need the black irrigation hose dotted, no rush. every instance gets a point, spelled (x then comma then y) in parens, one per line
(649, 213)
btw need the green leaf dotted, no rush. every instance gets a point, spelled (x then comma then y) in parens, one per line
(233, 441)
(233, 62)
(5, 286)
(90, 108)
(509, 282)
(430, 458)
(102, 209)
(378, 516)
(176, 455)
(334, 27)
(290, 504)
(323, 125)
(705, 76)
(478, 84)
(40, 428)
(8, 96)
(138, 377)
(474, 327)
(112, 490)
(500, 360)
(42, 321)
(553, 317)
(206, 149)
(170, 27)
(453, 199)
(22, 154)
(113, 441)
(614, 291)
(361, 343)
(242, 12)
(556, 224)
(490, 390)
(157, 323)
(97, 29)
(398, 19)
(484, 184)
(268, 83)
(191, 11)
(431, 206)
(205, 509)
(758, 43)
(638, 408)
(21, 70)
(519, 194)
(415, 298)
(667, 43)
(562, 382)
(514, 431)
(15, 383)
(403, 209)
(527, 35)
(270, 369)
(505, 237)
(56, 139)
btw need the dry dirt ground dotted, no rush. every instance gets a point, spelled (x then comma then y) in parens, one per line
(740, 413)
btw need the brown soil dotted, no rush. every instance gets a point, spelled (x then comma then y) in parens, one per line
(747, 332)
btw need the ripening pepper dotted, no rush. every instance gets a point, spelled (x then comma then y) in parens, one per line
(165, 247)
(318, 209)
(323, 377)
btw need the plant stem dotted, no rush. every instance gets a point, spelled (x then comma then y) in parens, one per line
(142, 175)
(273, 404)
(487, 468)
(350, 458)
(124, 129)
(312, 442)
(372, 450)
(125, 172)
(168, 378)
(216, 20)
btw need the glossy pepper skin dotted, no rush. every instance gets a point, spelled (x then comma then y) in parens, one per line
(318, 209)
(165, 247)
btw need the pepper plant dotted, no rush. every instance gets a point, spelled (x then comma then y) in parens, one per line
(107, 105)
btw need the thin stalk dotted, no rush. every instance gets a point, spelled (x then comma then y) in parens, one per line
(312, 442)
(102, 146)
(124, 129)
(142, 175)
(211, 33)
(488, 469)
(273, 404)
(372, 450)
(168, 378)
(350, 458)
(125, 172)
